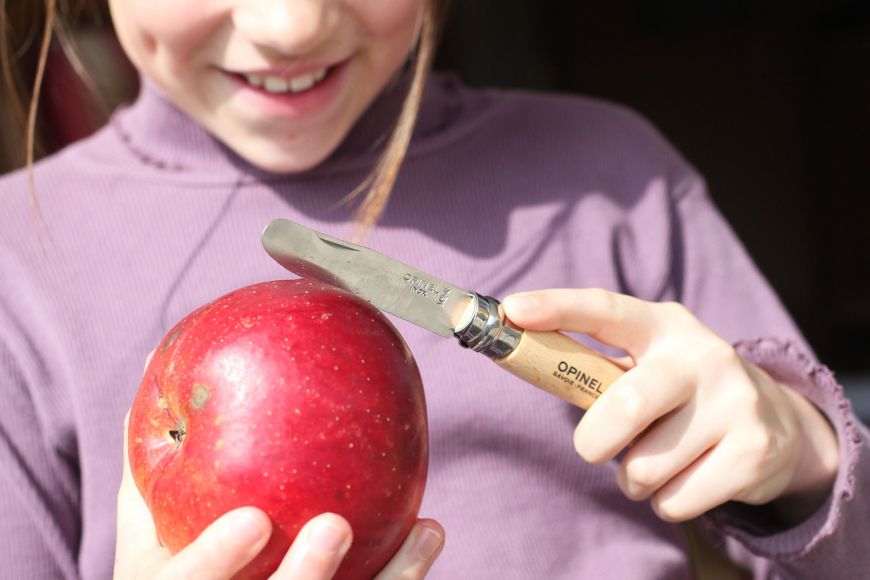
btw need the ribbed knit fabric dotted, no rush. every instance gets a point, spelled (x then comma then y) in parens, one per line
(501, 191)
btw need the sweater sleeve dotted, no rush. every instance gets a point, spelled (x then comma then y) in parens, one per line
(714, 276)
(39, 496)
(833, 539)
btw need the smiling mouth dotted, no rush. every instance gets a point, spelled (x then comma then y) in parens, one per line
(281, 85)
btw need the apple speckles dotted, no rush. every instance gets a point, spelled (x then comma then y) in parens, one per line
(341, 387)
(200, 396)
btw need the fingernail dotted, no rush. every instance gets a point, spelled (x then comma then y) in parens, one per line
(428, 543)
(246, 526)
(521, 303)
(326, 538)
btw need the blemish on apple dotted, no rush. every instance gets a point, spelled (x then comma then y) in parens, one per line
(249, 374)
(200, 396)
(170, 340)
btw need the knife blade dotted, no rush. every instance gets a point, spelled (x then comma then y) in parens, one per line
(551, 361)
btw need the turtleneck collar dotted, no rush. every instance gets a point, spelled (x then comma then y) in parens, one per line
(165, 138)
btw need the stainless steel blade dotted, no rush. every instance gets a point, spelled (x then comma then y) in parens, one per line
(387, 284)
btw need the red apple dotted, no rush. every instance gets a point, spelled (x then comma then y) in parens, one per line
(292, 396)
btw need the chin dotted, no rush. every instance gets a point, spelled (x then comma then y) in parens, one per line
(273, 157)
(275, 160)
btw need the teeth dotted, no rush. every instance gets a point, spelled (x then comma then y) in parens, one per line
(303, 83)
(275, 84)
(255, 80)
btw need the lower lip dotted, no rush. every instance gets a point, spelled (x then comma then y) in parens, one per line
(291, 104)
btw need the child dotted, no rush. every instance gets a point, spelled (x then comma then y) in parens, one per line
(256, 110)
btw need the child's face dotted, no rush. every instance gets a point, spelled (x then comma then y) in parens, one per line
(252, 71)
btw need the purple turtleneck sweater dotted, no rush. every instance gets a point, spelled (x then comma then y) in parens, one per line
(501, 191)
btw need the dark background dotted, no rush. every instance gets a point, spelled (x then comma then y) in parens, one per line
(769, 99)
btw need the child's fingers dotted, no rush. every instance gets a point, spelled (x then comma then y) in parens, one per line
(148, 360)
(318, 550)
(219, 552)
(136, 534)
(417, 554)
(631, 404)
(721, 474)
(223, 548)
(668, 448)
(612, 318)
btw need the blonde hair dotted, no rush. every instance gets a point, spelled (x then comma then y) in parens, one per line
(380, 183)
(373, 193)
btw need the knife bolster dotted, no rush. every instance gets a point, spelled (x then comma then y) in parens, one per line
(487, 333)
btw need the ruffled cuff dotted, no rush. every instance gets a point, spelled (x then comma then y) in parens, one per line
(789, 366)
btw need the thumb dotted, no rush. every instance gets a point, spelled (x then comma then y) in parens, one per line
(136, 534)
(219, 552)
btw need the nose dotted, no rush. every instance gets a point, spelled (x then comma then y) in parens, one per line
(289, 27)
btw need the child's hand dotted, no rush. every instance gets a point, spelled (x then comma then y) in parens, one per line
(701, 425)
(235, 539)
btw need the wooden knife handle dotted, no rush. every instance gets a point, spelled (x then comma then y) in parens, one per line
(561, 366)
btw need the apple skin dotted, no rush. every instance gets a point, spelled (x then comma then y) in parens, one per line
(292, 396)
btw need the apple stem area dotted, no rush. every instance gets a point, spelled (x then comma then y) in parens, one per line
(179, 432)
